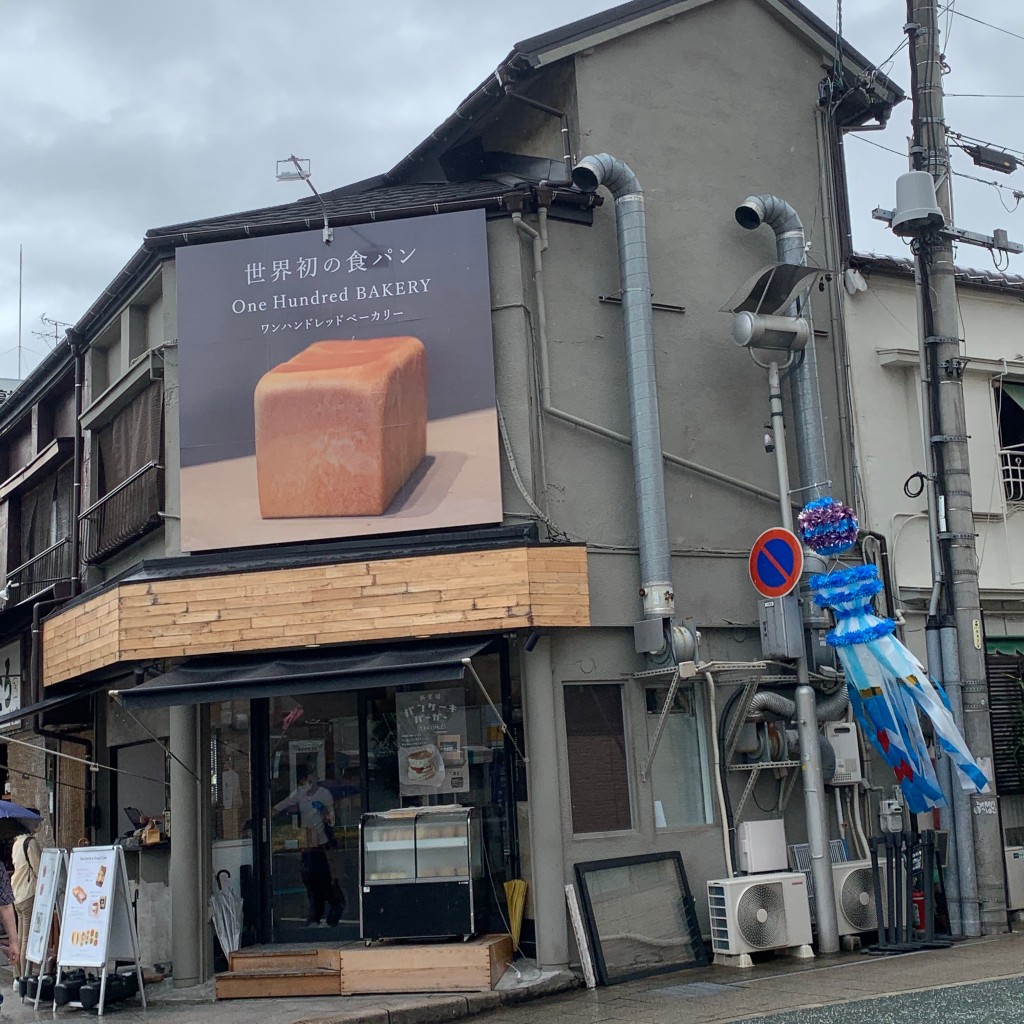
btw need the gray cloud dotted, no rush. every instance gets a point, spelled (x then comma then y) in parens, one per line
(123, 116)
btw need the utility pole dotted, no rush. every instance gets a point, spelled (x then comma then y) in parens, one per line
(967, 684)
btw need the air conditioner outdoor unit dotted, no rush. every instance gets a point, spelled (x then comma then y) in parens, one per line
(759, 912)
(855, 897)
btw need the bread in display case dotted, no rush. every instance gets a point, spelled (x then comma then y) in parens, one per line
(420, 872)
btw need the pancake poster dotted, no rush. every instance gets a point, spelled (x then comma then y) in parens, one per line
(431, 729)
(340, 390)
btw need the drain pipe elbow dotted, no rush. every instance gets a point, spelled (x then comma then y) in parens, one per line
(781, 218)
(616, 176)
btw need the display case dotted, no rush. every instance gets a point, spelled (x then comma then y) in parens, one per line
(420, 873)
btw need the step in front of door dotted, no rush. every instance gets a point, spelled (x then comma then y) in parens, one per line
(276, 982)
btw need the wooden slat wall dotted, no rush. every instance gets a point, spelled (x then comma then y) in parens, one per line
(435, 595)
(84, 635)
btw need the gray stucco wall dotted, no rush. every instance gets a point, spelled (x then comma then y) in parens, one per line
(706, 109)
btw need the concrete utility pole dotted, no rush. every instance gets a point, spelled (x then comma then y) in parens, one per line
(945, 368)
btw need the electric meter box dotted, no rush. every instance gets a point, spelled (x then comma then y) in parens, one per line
(762, 845)
(1015, 877)
(782, 628)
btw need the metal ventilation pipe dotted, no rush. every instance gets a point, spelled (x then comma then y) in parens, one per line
(831, 709)
(635, 284)
(808, 421)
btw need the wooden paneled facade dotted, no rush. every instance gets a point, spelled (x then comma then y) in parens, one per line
(348, 602)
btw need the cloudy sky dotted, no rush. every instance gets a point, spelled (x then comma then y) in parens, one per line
(119, 116)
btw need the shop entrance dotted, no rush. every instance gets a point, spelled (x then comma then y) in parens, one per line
(309, 765)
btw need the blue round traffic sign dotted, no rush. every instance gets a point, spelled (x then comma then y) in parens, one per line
(776, 562)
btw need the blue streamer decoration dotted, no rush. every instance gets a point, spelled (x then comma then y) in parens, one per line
(889, 688)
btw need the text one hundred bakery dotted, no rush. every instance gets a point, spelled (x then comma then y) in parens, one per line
(420, 286)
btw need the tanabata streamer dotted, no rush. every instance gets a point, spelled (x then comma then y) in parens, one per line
(888, 685)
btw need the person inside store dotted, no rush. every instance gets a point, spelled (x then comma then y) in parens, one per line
(316, 817)
(25, 854)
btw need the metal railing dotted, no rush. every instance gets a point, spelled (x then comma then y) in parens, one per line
(127, 512)
(1011, 461)
(40, 572)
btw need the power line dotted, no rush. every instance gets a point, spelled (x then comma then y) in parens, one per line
(960, 137)
(987, 24)
(1018, 194)
(988, 95)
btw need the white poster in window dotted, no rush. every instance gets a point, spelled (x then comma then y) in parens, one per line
(431, 728)
(10, 682)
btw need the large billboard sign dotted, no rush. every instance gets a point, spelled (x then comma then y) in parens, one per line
(337, 390)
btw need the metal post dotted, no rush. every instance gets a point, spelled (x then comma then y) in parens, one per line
(779, 434)
(188, 888)
(966, 861)
(814, 808)
(547, 855)
(949, 443)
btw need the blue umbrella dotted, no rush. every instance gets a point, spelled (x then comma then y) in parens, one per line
(8, 809)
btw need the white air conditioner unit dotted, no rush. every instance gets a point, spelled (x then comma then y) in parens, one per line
(855, 897)
(759, 912)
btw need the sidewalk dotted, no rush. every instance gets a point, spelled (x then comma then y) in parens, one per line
(711, 995)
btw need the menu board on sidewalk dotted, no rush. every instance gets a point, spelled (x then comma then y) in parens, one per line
(50, 885)
(96, 925)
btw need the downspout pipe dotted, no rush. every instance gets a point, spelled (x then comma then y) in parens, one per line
(656, 587)
(78, 349)
(808, 420)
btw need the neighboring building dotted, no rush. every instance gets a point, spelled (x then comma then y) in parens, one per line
(259, 646)
(885, 368)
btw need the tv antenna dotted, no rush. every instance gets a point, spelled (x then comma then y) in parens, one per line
(55, 333)
(302, 173)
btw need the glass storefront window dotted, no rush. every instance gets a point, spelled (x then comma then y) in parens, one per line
(679, 778)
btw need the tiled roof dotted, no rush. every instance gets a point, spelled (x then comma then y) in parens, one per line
(359, 203)
(992, 279)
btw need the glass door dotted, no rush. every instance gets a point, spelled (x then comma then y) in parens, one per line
(315, 804)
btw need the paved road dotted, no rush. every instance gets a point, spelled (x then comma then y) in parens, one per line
(979, 982)
(985, 1002)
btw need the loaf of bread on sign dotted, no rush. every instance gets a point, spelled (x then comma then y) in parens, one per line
(340, 427)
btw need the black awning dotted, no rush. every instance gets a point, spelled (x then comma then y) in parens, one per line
(49, 703)
(205, 680)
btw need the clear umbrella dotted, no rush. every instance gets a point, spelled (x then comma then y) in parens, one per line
(226, 913)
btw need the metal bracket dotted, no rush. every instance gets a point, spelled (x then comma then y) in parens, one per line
(947, 438)
(954, 368)
(997, 241)
(669, 698)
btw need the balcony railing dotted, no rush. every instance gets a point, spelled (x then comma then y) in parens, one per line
(40, 572)
(1011, 461)
(130, 510)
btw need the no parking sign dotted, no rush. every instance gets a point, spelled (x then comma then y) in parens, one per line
(776, 562)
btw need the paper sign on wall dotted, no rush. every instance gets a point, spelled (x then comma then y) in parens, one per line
(50, 886)
(431, 728)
